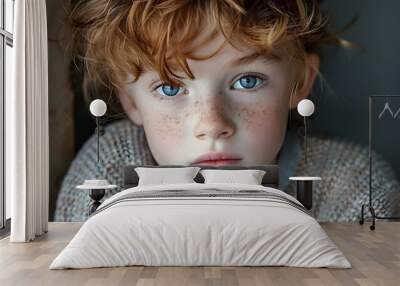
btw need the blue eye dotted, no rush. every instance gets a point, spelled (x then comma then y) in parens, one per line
(168, 90)
(247, 82)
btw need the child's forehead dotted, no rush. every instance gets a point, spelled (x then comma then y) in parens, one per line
(209, 37)
(232, 56)
(221, 49)
(220, 45)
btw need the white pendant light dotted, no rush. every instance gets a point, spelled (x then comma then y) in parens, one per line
(98, 107)
(305, 107)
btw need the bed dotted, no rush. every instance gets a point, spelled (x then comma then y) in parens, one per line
(201, 224)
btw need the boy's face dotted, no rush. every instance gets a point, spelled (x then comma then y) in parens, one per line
(235, 110)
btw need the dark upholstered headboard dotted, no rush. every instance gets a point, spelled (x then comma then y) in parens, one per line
(270, 179)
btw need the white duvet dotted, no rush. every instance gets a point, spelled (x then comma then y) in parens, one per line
(207, 230)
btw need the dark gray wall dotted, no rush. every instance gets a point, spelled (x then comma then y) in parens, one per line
(351, 76)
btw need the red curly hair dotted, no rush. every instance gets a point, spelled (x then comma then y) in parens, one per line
(120, 37)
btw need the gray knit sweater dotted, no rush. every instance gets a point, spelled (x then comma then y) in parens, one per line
(343, 167)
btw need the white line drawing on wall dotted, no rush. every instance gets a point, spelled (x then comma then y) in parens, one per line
(387, 108)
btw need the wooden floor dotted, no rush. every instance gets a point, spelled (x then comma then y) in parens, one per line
(374, 255)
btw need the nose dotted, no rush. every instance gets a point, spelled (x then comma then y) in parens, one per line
(213, 124)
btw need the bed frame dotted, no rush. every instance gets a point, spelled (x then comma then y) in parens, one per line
(270, 179)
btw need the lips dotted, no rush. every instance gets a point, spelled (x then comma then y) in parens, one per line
(217, 159)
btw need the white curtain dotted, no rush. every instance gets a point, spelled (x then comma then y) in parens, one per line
(27, 142)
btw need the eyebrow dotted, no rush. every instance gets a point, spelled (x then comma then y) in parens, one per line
(253, 57)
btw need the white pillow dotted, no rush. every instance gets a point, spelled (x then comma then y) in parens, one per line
(248, 177)
(161, 176)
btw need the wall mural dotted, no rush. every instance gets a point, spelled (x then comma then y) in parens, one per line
(206, 82)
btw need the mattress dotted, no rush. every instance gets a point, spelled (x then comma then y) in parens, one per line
(201, 225)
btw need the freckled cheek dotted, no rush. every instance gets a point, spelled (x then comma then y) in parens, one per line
(164, 126)
(163, 131)
(263, 127)
(259, 118)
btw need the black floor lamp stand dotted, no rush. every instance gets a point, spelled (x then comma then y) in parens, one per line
(369, 206)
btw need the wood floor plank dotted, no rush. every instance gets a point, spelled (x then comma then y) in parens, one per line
(374, 255)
